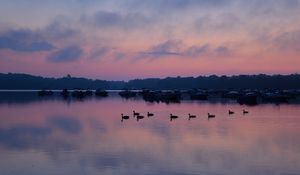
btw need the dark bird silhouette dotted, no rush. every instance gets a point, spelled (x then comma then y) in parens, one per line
(173, 117)
(230, 112)
(245, 112)
(135, 113)
(124, 117)
(150, 114)
(192, 116)
(210, 116)
(138, 117)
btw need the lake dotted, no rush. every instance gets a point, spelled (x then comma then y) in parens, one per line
(57, 136)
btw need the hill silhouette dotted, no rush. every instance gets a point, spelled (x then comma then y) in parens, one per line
(261, 81)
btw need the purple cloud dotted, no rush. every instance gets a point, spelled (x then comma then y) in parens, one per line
(24, 41)
(67, 54)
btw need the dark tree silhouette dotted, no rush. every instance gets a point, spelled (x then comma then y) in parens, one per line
(261, 81)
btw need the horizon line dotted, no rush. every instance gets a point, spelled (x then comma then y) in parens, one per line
(165, 77)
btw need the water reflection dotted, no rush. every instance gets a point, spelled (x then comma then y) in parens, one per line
(54, 137)
(23, 136)
(65, 124)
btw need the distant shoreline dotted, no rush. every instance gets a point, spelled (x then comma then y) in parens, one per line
(12, 81)
(54, 90)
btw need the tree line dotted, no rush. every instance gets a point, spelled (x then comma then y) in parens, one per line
(261, 81)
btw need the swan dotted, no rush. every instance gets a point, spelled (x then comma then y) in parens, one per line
(124, 117)
(210, 115)
(173, 117)
(245, 112)
(192, 116)
(138, 117)
(135, 113)
(150, 114)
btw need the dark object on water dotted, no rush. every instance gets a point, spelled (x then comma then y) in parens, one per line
(135, 113)
(82, 94)
(173, 96)
(88, 92)
(124, 117)
(275, 98)
(65, 93)
(159, 96)
(199, 96)
(248, 99)
(101, 93)
(210, 116)
(151, 96)
(230, 112)
(192, 116)
(231, 95)
(173, 117)
(150, 114)
(78, 94)
(45, 93)
(139, 117)
(245, 112)
(127, 94)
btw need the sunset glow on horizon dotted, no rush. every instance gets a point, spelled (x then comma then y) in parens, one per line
(122, 40)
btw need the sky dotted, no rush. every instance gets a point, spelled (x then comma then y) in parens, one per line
(128, 39)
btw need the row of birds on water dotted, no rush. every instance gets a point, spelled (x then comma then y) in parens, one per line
(138, 116)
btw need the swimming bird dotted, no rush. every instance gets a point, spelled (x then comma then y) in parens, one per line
(230, 112)
(150, 114)
(173, 117)
(135, 113)
(124, 117)
(210, 115)
(245, 112)
(192, 116)
(138, 117)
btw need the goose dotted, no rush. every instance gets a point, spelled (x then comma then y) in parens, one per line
(135, 113)
(150, 114)
(245, 112)
(230, 112)
(138, 117)
(192, 116)
(173, 117)
(124, 117)
(210, 115)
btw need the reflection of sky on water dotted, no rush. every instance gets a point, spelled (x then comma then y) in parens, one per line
(65, 124)
(54, 137)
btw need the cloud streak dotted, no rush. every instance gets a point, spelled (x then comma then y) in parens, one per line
(24, 41)
(177, 48)
(99, 53)
(67, 54)
(108, 20)
(288, 41)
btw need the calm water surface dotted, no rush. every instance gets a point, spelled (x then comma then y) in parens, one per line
(55, 136)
